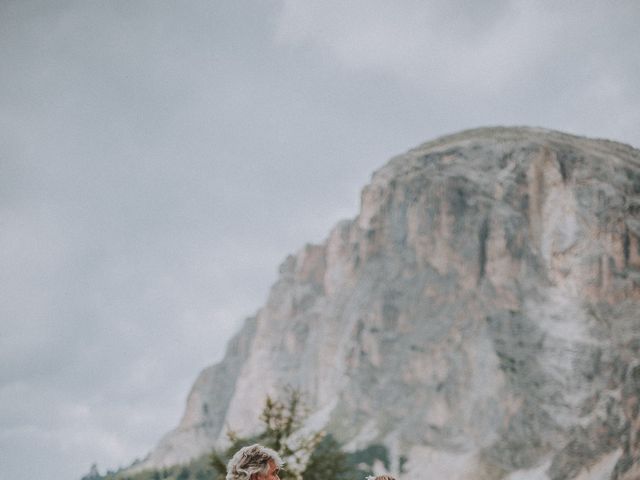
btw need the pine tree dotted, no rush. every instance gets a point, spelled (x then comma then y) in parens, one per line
(304, 453)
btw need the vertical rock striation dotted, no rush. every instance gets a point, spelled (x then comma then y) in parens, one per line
(480, 317)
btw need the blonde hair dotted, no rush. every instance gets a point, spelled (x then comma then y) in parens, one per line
(251, 460)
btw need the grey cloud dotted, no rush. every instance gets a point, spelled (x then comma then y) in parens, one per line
(514, 52)
(159, 160)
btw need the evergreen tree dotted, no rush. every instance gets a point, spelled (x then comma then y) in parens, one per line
(93, 473)
(328, 461)
(304, 453)
(308, 455)
(184, 474)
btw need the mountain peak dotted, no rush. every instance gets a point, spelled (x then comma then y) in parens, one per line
(478, 317)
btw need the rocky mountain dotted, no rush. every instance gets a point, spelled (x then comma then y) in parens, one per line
(480, 317)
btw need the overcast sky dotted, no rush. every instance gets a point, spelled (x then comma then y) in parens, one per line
(159, 159)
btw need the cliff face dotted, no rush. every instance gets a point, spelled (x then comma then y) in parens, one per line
(480, 317)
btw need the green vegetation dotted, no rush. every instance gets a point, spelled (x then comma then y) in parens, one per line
(198, 469)
(308, 455)
(281, 420)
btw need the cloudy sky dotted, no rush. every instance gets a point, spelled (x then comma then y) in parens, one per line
(159, 159)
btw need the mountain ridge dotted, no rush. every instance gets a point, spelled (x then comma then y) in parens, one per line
(477, 316)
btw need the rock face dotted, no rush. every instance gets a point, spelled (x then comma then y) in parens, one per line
(480, 317)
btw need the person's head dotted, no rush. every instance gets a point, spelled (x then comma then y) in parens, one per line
(254, 462)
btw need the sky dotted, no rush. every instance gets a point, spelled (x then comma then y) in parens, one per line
(160, 159)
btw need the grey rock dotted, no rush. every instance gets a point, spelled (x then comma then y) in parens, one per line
(480, 317)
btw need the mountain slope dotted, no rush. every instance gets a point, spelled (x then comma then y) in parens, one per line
(480, 316)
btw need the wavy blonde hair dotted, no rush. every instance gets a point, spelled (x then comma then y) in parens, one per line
(251, 460)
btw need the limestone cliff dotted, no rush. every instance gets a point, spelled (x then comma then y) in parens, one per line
(480, 317)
